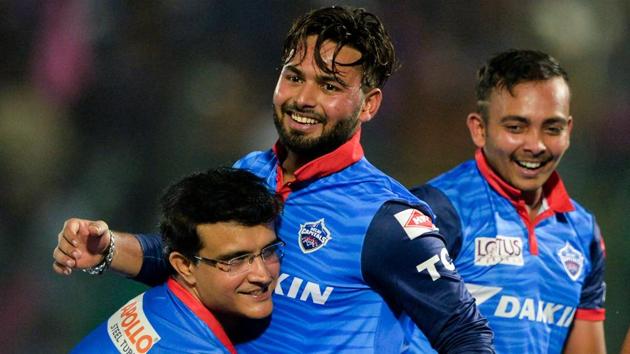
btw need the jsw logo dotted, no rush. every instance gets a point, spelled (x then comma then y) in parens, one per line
(294, 289)
(532, 310)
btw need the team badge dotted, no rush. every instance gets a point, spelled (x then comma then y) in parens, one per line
(313, 235)
(572, 261)
(415, 223)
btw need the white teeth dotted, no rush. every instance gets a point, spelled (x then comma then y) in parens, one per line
(257, 292)
(531, 165)
(303, 120)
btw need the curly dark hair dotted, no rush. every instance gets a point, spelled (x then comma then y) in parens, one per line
(345, 26)
(512, 67)
(219, 195)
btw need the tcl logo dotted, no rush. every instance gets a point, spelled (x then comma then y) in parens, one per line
(429, 264)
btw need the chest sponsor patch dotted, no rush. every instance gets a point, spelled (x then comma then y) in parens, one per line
(490, 251)
(313, 236)
(414, 222)
(130, 330)
(572, 260)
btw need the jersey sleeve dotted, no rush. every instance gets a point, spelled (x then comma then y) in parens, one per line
(591, 305)
(154, 269)
(447, 218)
(410, 267)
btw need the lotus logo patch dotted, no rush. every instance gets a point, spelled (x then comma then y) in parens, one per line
(490, 251)
(572, 261)
(313, 236)
(414, 223)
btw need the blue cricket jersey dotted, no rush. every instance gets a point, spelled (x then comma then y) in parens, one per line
(529, 278)
(164, 319)
(362, 254)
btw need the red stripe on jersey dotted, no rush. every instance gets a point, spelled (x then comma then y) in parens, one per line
(202, 312)
(345, 155)
(553, 190)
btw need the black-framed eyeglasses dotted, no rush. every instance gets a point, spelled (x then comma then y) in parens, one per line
(242, 264)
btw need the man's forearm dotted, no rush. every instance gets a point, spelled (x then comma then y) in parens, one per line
(128, 255)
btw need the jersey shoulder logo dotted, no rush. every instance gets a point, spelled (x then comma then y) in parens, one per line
(313, 236)
(572, 261)
(414, 222)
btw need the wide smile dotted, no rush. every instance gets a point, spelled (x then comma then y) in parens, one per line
(303, 119)
(531, 167)
(304, 123)
(258, 294)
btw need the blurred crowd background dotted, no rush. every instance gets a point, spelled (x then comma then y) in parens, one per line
(104, 103)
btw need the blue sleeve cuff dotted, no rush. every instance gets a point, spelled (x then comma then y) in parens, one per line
(154, 269)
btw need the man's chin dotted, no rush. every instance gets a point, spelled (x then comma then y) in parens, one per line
(531, 185)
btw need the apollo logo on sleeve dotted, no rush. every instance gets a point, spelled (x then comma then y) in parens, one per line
(130, 330)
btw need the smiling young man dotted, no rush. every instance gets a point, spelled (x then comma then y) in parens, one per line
(224, 258)
(361, 249)
(532, 257)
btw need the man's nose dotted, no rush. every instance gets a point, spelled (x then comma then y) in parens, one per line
(259, 271)
(534, 142)
(307, 95)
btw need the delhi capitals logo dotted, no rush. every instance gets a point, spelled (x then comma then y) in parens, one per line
(313, 236)
(572, 261)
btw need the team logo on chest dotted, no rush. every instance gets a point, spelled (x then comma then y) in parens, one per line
(572, 261)
(313, 235)
(490, 251)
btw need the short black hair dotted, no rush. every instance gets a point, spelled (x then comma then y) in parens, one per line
(218, 195)
(346, 26)
(512, 67)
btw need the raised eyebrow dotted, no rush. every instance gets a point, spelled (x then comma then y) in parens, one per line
(519, 119)
(272, 242)
(294, 69)
(321, 79)
(556, 120)
(229, 256)
(324, 79)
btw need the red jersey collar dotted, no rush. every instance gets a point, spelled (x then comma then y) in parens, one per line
(202, 312)
(345, 155)
(553, 190)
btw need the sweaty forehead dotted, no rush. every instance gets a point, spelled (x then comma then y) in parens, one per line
(346, 55)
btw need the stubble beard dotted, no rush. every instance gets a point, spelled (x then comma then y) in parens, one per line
(312, 148)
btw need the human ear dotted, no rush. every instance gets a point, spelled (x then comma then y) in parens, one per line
(477, 128)
(183, 266)
(371, 104)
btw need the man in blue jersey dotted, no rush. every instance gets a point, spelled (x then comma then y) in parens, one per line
(361, 250)
(224, 260)
(532, 257)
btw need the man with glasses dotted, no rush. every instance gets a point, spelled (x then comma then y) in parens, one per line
(224, 258)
